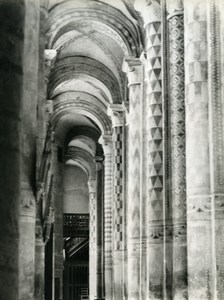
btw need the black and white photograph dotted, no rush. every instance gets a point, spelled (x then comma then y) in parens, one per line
(111, 149)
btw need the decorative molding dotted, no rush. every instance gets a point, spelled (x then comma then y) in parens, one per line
(216, 98)
(177, 114)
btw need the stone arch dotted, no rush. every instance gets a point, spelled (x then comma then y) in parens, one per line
(66, 68)
(84, 159)
(84, 108)
(123, 29)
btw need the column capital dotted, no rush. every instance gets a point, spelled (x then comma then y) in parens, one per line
(27, 201)
(92, 186)
(49, 108)
(99, 162)
(106, 142)
(117, 113)
(174, 8)
(133, 67)
(150, 10)
(49, 56)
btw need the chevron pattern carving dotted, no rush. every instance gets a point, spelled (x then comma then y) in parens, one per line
(155, 143)
(134, 158)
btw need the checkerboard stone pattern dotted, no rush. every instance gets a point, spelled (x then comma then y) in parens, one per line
(108, 177)
(118, 187)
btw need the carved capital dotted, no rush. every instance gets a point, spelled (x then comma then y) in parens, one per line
(116, 112)
(39, 231)
(99, 163)
(49, 108)
(50, 56)
(92, 186)
(174, 8)
(106, 142)
(149, 9)
(27, 198)
(134, 69)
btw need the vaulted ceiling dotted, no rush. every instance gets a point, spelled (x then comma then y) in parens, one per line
(91, 39)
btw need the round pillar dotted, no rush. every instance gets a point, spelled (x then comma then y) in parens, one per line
(116, 112)
(135, 77)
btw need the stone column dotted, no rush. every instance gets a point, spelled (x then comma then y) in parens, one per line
(176, 102)
(135, 76)
(58, 221)
(200, 235)
(151, 12)
(41, 134)
(99, 229)
(39, 263)
(106, 142)
(216, 118)
(92, 239)
(42, 86)
(27, 142)
(116, 112)
(19, 39)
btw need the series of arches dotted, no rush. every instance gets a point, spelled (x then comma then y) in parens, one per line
(91, 39)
